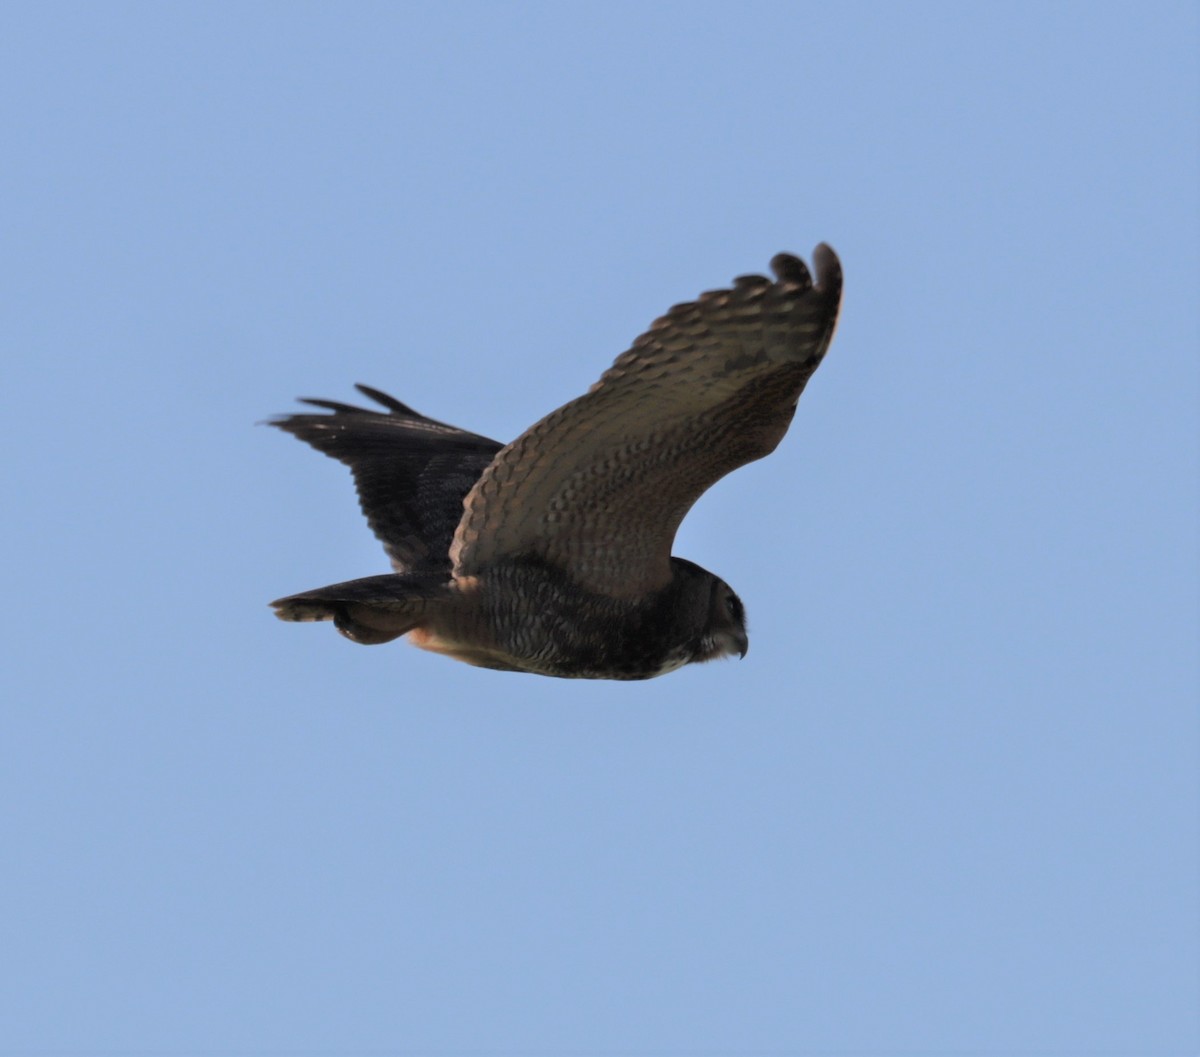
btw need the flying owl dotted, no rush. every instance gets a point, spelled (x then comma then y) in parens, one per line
(552, 554)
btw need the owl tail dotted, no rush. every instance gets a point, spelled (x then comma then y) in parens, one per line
(372, 610)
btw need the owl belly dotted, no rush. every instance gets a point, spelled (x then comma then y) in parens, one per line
(469, 653)
(528, 616)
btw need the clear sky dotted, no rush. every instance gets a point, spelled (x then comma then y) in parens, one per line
(948, 803)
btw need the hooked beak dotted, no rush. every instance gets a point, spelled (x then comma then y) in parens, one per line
(739, 643)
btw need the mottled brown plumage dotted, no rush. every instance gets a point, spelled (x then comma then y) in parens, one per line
(553, 554)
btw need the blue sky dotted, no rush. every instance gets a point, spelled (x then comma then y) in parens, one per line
(948, 803)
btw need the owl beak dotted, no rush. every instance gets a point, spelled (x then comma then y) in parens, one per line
(740, 643)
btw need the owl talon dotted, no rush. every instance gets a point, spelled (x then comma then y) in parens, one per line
(360, 633)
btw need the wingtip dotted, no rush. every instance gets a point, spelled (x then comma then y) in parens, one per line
(790, 270)
(828, 268)
(385, 400)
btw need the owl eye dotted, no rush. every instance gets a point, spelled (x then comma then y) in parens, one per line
(736, 610)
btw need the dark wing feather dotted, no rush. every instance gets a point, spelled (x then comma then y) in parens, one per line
(600, 486)
(411, 472)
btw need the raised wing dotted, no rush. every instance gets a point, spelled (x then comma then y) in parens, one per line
(411, 472)
(600, 486)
